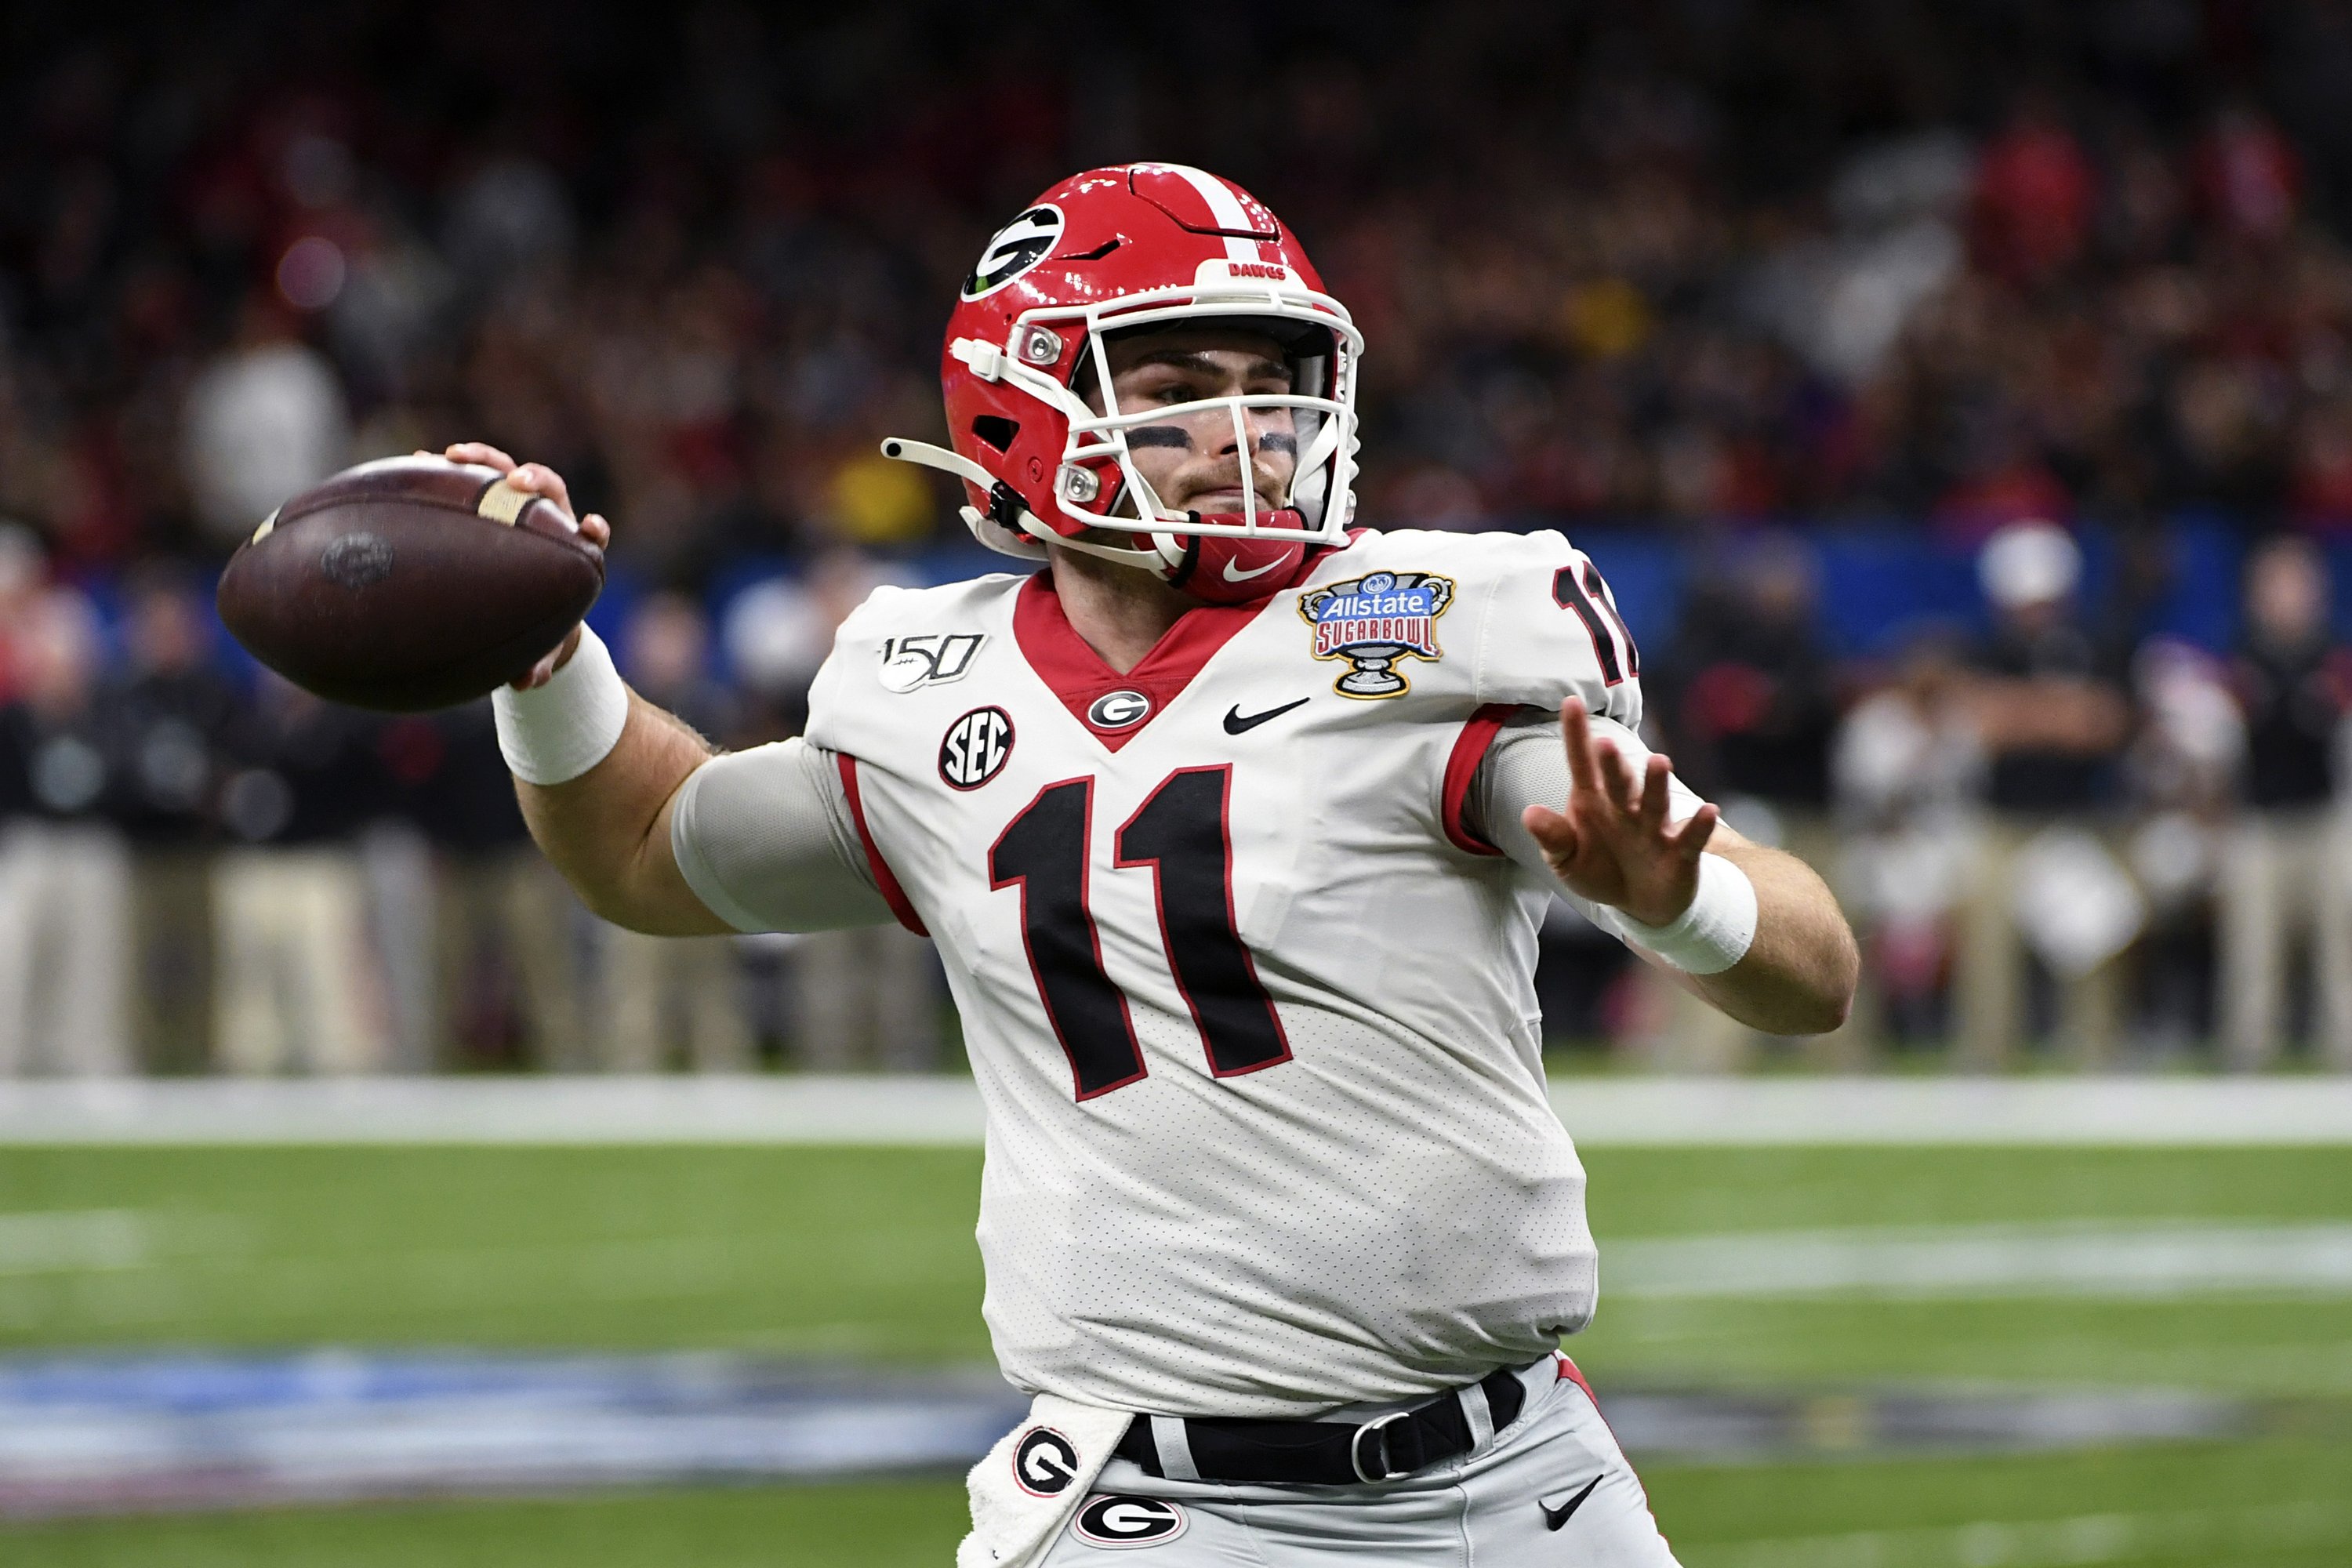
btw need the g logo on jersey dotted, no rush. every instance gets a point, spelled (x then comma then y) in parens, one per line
(1118, 709)
(1373, 621)
(1046, 1463)
(1018, 246)
(1118, 1522)
(976, 748)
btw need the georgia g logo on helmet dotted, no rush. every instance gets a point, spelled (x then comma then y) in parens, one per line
(1018, 246)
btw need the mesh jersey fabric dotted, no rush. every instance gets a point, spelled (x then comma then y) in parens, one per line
(765, 839)
(1373, 1200)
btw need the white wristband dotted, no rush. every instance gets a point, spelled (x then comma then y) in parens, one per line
(1711, 935)
(555, 733)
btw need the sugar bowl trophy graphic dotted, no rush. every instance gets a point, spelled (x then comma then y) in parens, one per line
(1372, 622)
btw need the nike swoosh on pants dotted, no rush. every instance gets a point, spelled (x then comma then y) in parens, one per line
(1556, 1517)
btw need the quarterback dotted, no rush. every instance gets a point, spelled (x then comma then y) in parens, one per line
(1235, 825)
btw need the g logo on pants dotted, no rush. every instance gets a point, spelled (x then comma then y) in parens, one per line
(1046, 1463)
(1120, 1521)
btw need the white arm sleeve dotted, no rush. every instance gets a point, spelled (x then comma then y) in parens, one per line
(1527, 766)
(765, 841)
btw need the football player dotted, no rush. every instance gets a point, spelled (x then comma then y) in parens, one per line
(1234, 825)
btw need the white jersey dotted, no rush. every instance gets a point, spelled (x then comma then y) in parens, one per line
(1251, 1011)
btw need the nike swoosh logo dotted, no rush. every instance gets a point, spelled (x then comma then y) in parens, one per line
(1556, 1517)
(1234, 576)
(1235, 724)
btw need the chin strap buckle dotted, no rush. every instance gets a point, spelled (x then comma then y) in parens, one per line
(986, 359)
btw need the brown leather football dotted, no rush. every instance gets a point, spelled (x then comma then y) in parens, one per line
(409, 583)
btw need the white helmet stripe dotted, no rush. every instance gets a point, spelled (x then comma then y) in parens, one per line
(1223, 206)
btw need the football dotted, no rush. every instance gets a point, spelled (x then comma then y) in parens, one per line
(409, 583)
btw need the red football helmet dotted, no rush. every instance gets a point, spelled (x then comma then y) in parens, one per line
(1113, 250)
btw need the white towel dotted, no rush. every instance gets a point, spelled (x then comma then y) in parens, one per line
(1035, 1477)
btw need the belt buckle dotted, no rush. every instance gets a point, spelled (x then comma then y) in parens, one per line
(1356, 1450)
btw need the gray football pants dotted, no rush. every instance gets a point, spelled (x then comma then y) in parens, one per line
(1552, 1488)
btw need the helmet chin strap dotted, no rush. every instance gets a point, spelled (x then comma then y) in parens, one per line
(1152, 561)
(1164, 559)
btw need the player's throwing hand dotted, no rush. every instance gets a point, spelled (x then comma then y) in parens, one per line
(1612, 843)
(539, 479)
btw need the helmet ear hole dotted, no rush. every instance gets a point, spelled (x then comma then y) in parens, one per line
(996, 430)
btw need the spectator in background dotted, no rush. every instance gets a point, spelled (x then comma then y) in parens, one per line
(661, 989)
(397, 867)
(1909, 772)
(65, 872)
(2288, 870)
(2183, 767)
(2035, 195)
(2246, 178)
(2050, 706)
(21, 572)
(1754, 703)
(1752, 707)
(298, 987)
(509, 939)
(168, 717)
(264, 420)
(778, 631)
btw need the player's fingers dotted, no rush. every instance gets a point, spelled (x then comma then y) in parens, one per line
(478, 452)
(1576, 734)
(595, 530)
(540, 479)
(1655, 791)
(1624, 785)
(1553, 832)
(1691, 837)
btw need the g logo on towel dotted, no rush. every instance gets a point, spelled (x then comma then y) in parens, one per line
(1046, 1462)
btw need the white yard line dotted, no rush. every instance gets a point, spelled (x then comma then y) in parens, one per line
(2119, 1112)
(72, 1241)
(2150, 1260)
(2083, 1538)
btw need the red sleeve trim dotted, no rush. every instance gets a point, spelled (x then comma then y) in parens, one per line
(892, 894)
(1469, 750)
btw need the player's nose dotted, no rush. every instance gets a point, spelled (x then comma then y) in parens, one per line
(1269, 430)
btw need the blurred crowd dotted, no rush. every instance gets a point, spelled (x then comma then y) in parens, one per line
(2052, 829)
(1720, 271)
(198, 872)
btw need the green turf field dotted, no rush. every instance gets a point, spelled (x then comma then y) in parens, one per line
(868, 1252)
(2275, 1504)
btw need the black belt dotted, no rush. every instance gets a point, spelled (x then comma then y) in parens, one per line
(1330, 1453)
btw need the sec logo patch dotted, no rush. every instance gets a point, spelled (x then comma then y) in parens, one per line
(1046, 1463)
(976, 748)
(1121, 1521)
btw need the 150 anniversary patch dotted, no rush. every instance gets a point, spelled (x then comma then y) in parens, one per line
(1372, 622)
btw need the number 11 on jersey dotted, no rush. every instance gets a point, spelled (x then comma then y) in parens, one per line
(1183, 833)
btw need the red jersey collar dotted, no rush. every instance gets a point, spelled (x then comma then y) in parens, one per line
(1085, 685)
